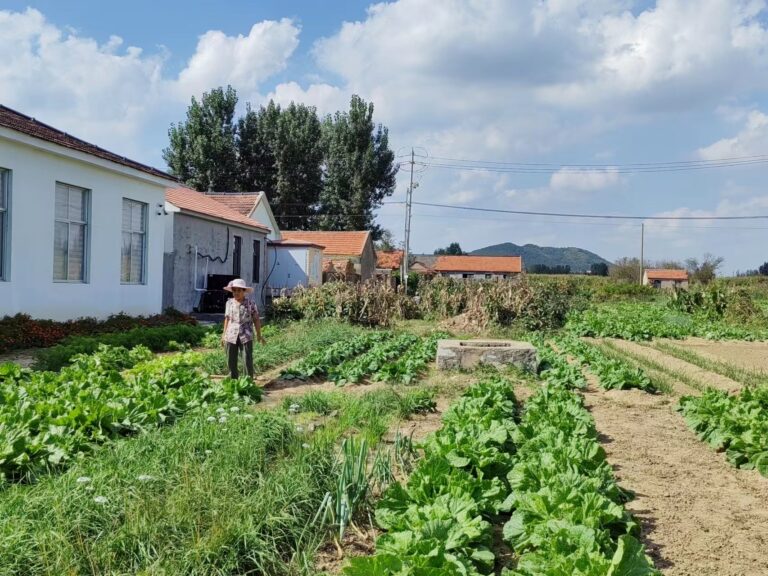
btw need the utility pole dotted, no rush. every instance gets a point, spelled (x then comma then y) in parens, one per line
(408, 198)
(642, 249)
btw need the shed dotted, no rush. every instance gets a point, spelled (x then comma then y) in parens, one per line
(665, 278)
(206, 244)
(343, 246)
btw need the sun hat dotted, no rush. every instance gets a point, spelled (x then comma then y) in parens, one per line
(237, 283)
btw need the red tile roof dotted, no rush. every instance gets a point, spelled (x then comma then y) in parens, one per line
(479, 264)
(389, 260)
(188, 200)
(27, 125)
(242, 202)
(666, 274)
(335, 243)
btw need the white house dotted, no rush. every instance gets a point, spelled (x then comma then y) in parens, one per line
(206, 245)
(81, 228)
(478, 267)
(290, 263)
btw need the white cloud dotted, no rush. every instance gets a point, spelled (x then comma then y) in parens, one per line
(752, 140)
(242, 61)
(120, 97)
(584, 180)
(325, 97)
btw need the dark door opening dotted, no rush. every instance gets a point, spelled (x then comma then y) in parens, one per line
(236, 253)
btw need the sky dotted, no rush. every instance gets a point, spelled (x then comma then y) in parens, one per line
(550, 83)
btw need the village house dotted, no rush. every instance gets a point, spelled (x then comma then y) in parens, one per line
(207, 244)
(290, 263)
(81, 228)
(478, 267)
(348, 253)
(665, 278)
(388, 264)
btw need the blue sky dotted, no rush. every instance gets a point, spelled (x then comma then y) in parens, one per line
(604, 82)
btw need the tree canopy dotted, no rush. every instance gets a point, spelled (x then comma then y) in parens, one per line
(453, 249)
(329, 174)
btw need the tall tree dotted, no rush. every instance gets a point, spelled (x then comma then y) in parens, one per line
(359, 169)
(202, 151)
(704, 270)
(599, 269)
(257, 134)
(763, 269)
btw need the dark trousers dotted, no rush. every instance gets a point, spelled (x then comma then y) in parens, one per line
(233, 351)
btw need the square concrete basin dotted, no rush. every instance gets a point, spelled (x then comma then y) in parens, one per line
(452, 354)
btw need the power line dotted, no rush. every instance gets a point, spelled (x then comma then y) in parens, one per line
(567, 215)
(585, 169)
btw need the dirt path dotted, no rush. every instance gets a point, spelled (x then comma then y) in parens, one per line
(699, 515)
(704, 377)
(748, 355)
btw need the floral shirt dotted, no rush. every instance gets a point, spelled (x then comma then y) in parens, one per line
(241, 317)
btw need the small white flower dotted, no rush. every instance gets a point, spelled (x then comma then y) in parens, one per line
(299, 429)
(220, 410)
(208, 452)
(211, 419)
(223, 420)
(248, 416)
(234, 409)
(305, 445)
(294, 408)
(145, 478)
(100, 499)
(83, 480)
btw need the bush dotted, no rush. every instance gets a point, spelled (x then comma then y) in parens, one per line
(22, 331)
(156, 339)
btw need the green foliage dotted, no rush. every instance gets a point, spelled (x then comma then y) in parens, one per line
(635, 321)
(612, 372)
(49, 419)
(359, 169)
(547, 469)
(737, 424)
(599, 269)
(22, 331)
(453, 249)
(202, 149)
(705, 270)
(158, 339)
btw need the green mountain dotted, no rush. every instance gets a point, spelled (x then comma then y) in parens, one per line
(578, 259)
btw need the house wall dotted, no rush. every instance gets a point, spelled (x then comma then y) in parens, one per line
(262, 216)
(29, 287)
(191, 233)
(478, 275)
(295, 266)
(367, 261)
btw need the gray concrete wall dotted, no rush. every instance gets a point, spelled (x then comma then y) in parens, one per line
(368, 261)
(191, 233)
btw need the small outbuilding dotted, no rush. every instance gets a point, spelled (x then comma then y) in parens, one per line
(665, 278)
(207, 244)
(341, 247)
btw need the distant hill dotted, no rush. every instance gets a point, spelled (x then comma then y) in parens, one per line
(578, 259)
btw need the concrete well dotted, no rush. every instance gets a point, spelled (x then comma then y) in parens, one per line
(466, 354)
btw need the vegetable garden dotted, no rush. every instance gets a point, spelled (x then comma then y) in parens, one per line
(115, 459)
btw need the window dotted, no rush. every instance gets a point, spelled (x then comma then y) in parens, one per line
(488, 276)
(238, 250)
(134, 250)
(4, 222)
(468, 275)
(70, 241)
(256, 260)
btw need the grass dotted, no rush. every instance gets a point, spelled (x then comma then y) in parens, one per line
(226, 491)
(742, 375)
(290, 342)
(662, 377)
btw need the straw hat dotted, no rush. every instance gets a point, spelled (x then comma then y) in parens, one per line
(237, 283)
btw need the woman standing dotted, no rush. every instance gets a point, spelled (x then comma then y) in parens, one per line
(240, 318)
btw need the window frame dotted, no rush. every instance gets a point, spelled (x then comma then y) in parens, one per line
(144, 233)
(5, 224)
(86, 235)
